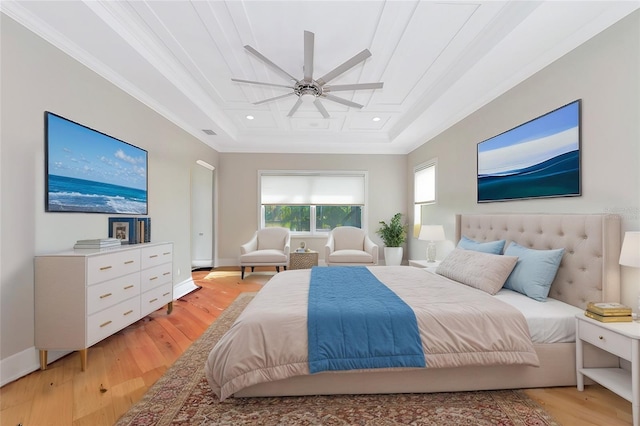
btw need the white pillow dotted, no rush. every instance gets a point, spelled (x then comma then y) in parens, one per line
(484, 271)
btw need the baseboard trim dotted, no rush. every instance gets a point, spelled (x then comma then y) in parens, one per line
(184, 288)
(25, 362)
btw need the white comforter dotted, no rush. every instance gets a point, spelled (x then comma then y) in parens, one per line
(459, 326)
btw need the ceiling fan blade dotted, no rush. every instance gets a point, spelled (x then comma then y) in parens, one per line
(263, 84)
(308, 55)
(268, 62)
(273, 99)
(359, 86)
(321, 108)
(342, 101)
(295, 107)
(343, 67)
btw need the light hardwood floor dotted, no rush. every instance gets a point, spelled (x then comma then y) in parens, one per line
(122, 367)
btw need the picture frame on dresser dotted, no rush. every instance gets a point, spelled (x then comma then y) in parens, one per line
(123, 228)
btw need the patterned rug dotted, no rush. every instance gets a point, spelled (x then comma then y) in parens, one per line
(183, 397)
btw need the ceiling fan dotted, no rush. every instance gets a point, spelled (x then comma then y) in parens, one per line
(308, 89)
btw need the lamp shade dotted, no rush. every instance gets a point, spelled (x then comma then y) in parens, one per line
(431, 233)
(630, 253)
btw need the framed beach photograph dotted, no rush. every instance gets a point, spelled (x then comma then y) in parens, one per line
(122, 228)
(537, 159)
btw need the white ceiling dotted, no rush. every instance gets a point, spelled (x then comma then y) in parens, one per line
(439, 61)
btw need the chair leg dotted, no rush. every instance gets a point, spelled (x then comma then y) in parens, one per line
(277, 269)
(242, 273)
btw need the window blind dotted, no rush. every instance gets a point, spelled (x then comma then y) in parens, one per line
(425, 184)
(316, 189)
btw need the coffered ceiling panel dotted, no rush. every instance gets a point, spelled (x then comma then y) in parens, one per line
(438, 60)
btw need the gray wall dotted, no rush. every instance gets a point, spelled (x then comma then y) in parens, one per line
(35, 76)
(603, 73)
(238, 193)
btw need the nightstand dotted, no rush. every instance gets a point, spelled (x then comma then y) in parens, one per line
(424, 263)
(621, 339)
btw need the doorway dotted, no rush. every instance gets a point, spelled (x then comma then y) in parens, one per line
(202, 218)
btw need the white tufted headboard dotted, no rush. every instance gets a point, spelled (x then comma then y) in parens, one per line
(589, 270)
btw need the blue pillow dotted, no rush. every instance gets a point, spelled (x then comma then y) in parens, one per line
(492, 247)
(534, 272)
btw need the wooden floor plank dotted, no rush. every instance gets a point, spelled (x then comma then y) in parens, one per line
(129, 362)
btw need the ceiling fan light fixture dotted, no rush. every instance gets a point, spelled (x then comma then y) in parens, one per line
(310, 90)
(308, 98)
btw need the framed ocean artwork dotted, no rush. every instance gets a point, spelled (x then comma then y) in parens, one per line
(87, 171)
(537, 159)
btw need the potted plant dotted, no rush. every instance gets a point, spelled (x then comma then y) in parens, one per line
(393, 234)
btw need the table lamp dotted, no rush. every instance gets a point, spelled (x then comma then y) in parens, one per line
(630, 252)
(431, 233)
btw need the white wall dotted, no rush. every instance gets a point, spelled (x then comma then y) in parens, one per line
(604, 74)
(35, 77)
(238, 193)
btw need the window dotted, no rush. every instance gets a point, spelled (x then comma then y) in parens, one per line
(312, 202)
(424, 189)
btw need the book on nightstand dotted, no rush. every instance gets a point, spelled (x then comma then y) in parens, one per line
(611, 318)
(609, 309)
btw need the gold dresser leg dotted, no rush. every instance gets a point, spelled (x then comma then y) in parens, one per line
(169, 307)
(43, 360)
(83, 359)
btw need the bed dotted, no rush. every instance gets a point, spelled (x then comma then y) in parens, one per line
(589, 271)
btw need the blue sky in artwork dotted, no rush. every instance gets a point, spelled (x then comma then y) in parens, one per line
(79, 152)
(531, 143)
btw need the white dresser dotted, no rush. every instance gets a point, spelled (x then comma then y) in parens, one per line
(84, 296)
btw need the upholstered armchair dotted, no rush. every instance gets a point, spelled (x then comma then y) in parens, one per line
(348, 245)
(267, 247)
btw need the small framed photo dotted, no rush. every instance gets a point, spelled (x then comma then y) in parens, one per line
(122, 228)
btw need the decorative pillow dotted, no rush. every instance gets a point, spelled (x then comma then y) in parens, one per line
(493, 247)
(484, 271)
(534, 271)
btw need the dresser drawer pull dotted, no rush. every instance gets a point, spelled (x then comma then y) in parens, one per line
(153, 300)
(166, 294)
(105, 295)
(128, 312)
(166, 253)
(104, 268)
(601, 337)
(105, 324)
(128, 287)
(167, 273)
(128, 262)
(152, 256)
(153, 278)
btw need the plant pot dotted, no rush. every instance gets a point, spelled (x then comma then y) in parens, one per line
(392, 256)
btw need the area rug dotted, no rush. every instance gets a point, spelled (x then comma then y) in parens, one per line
(183, 397)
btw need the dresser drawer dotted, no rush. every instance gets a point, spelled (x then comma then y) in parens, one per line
(156, 276)
(156, 298)
(109, 293)
(104, 323)
(156, 255)
(109, 266)
(605, 339)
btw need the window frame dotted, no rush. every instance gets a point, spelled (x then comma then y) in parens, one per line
(417, 209)
(312, 207)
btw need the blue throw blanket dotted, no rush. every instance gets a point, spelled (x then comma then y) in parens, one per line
(357, 322)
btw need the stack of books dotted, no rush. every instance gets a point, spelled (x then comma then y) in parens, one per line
(608, 312)
(97, 243)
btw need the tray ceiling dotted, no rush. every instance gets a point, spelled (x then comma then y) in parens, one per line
(439, 61)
